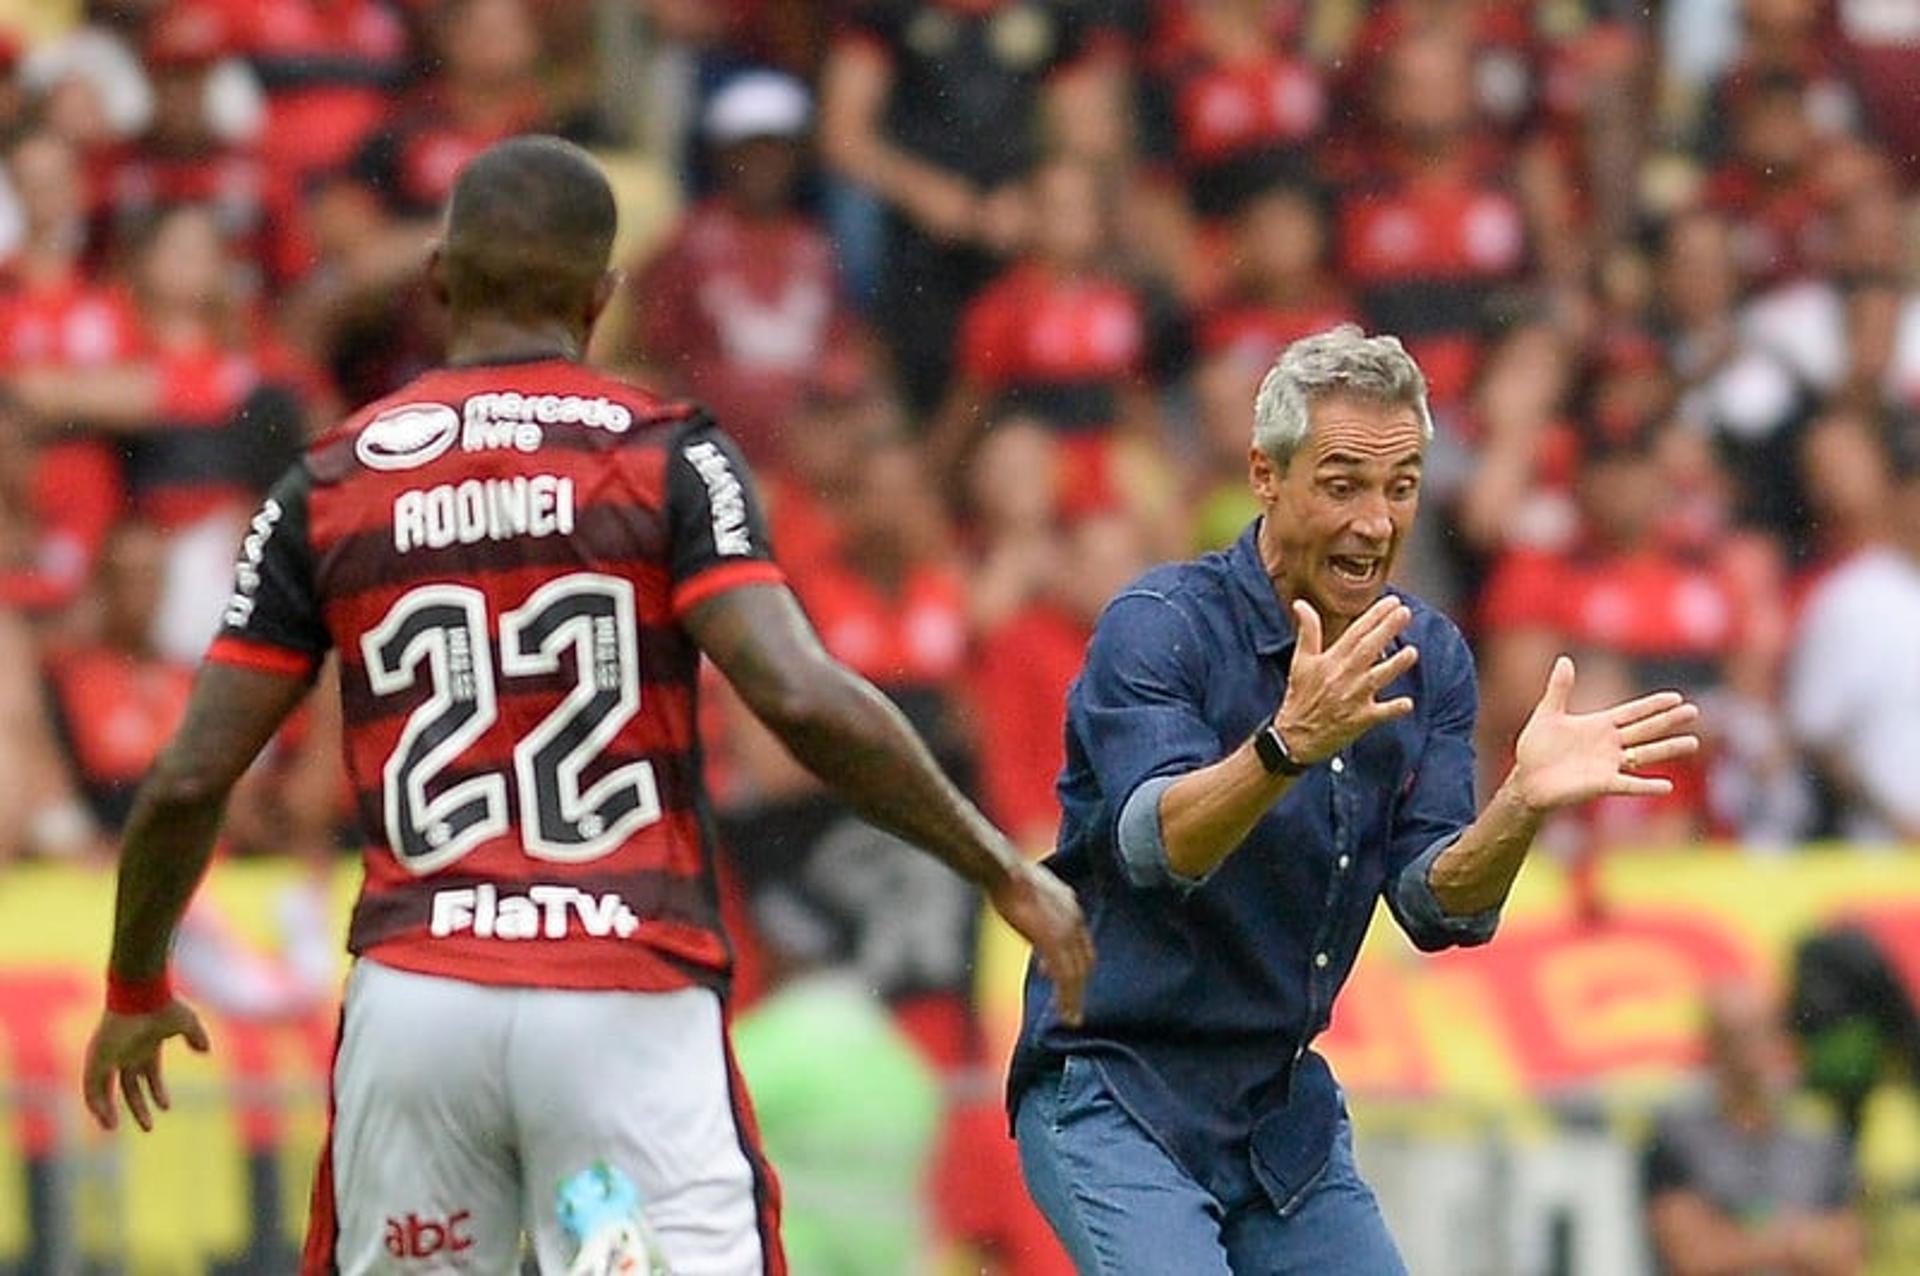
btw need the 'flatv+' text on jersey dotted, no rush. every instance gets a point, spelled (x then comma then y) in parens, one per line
(500, 554)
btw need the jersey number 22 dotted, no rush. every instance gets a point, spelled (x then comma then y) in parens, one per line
(440, 632)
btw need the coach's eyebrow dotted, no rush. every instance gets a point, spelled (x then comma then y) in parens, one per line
(1350, 460)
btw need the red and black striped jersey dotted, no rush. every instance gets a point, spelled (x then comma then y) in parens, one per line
(500, 555)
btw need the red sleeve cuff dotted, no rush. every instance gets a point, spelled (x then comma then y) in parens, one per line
(264, 656)
(138, 996)
(714, 581)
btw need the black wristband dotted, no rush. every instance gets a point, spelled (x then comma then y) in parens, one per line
(1273, 753)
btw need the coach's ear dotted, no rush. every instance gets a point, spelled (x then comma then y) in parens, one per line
(1263, 476)
(437, 274)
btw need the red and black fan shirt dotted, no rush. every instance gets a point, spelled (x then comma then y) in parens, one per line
(501, 555)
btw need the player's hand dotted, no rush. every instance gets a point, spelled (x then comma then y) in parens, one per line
(1564, 758)
(1330, 690)
(1042, 908)
(125, 1049)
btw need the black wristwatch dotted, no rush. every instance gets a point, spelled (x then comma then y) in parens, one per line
(1273, 754)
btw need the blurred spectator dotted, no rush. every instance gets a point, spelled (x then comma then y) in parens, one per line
(1013, 495)
(1854, 696)
(1229, 106)
(743, 303)
(61, 496)
(208, 411)
(1880, 43)
(842, 410)
(1767, 187)
(1635, 588)
(484, 90)
(51, 312)
(1745, 399)
(116, 700)
(1432, 224)
(1220, 498)
(846, 1107)
(183, 158)
(1024, 665)
(935, 107)
(47, 816)
(1734, 1183)
(1278, 287)
(330, 69)
(892, 603)
(1853, 331)
(89, 87)
(1849, 493)
(1058, 339)
(57, 504)
(1790, 39)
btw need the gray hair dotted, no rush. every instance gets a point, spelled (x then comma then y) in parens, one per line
(1339, 360)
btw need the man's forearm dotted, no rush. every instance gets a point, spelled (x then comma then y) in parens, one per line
(1476, 872)
(1206, 814)
(164, 855)
(859, 742)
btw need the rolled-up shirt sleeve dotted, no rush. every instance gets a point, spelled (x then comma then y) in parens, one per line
(1438, 805)
(1137, 713)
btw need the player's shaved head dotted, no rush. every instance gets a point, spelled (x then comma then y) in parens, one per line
(528, 231)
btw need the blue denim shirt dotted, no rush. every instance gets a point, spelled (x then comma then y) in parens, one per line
(1206, 994)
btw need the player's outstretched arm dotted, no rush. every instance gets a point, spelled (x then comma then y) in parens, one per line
(850, 735)
(231, 715)
(1562, 759)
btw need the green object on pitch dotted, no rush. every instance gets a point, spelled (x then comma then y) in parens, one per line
(848, 1112)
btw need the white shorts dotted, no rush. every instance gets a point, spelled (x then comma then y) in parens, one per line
(459, 1108)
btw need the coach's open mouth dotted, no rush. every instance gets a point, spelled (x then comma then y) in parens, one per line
(1354, 569)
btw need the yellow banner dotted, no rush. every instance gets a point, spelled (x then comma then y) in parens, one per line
(1558, 1000)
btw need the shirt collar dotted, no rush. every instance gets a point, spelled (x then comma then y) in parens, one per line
(1272, 627)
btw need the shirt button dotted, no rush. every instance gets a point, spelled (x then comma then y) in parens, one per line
(1320, 961)
(1338, 766)
(1343, 861)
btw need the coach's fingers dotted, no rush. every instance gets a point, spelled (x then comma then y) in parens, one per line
(1372, 630)
(1392, 667)
(136, 1101)
(1306, 621)
(1559, 686)
(1388, 710)
(1623, 715)
(1626, 785)
(1659, 725)
(1666, 750)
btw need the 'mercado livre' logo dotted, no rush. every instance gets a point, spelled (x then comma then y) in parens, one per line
(408, 436)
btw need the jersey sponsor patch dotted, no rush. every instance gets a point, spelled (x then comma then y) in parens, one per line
(509, 419)
(407, 437)
(725, 497)
(247, 571)
(543, 912)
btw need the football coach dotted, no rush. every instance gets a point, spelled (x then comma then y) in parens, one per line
(1263, 742)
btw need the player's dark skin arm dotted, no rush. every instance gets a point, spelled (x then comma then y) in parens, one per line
(230, 716)
(845, 731)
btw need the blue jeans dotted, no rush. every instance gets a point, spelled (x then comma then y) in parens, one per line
(1123, 1207)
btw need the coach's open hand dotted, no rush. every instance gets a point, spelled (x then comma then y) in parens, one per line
(1564, 758)
(128, 1047)
(1330, 693)
(1042, 908)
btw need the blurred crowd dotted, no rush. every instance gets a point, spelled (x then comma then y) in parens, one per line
(984, 289)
